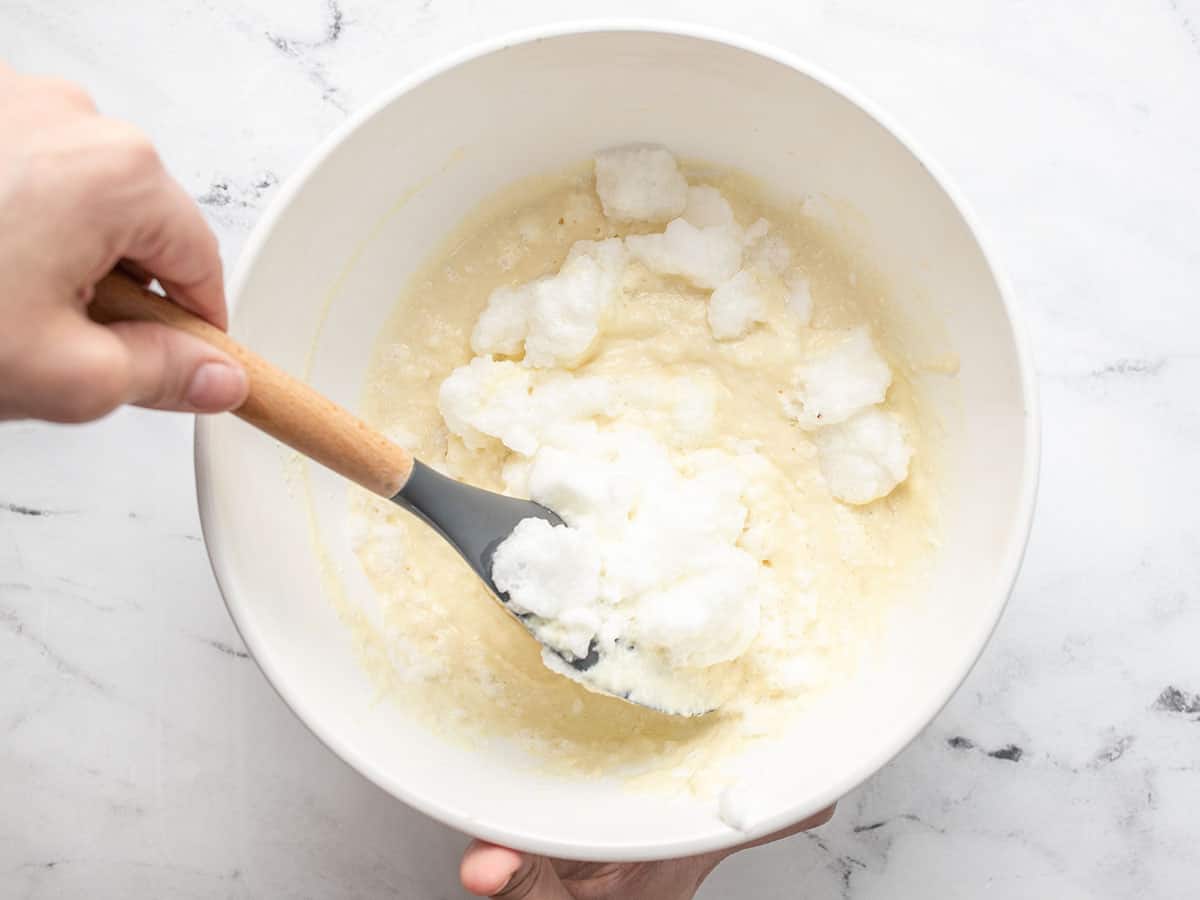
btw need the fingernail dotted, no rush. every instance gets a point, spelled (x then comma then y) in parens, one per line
(216, 386)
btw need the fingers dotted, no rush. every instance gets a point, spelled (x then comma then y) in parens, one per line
(78, 194)
(79, 371)
(153, 223)
(503, 874)
(710, 861)
(136, 272)
(69, 373)
(814, 821)
(172, 370)
(172, 241)
(107, 197)
(487, 868)
(534, 880)
(821, 818)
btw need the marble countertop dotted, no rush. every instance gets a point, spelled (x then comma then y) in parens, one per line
(143, 755)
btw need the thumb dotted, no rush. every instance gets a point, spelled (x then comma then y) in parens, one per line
(503, 874)
(169, 369)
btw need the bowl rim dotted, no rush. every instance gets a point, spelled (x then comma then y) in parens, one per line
(870, 764)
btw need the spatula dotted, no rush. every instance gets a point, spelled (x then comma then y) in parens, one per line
(473, 520)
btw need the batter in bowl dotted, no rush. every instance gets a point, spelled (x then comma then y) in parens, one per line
(703, 387)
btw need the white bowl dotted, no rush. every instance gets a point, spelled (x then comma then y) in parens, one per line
(324, 268)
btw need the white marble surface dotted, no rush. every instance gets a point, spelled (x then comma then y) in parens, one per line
(142, 754)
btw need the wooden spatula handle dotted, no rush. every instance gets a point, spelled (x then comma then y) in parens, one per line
(282, 406)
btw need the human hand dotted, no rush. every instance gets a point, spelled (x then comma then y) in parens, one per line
(78, 194)
(491, 871)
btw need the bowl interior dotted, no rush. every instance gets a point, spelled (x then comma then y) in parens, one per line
(326, 268)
